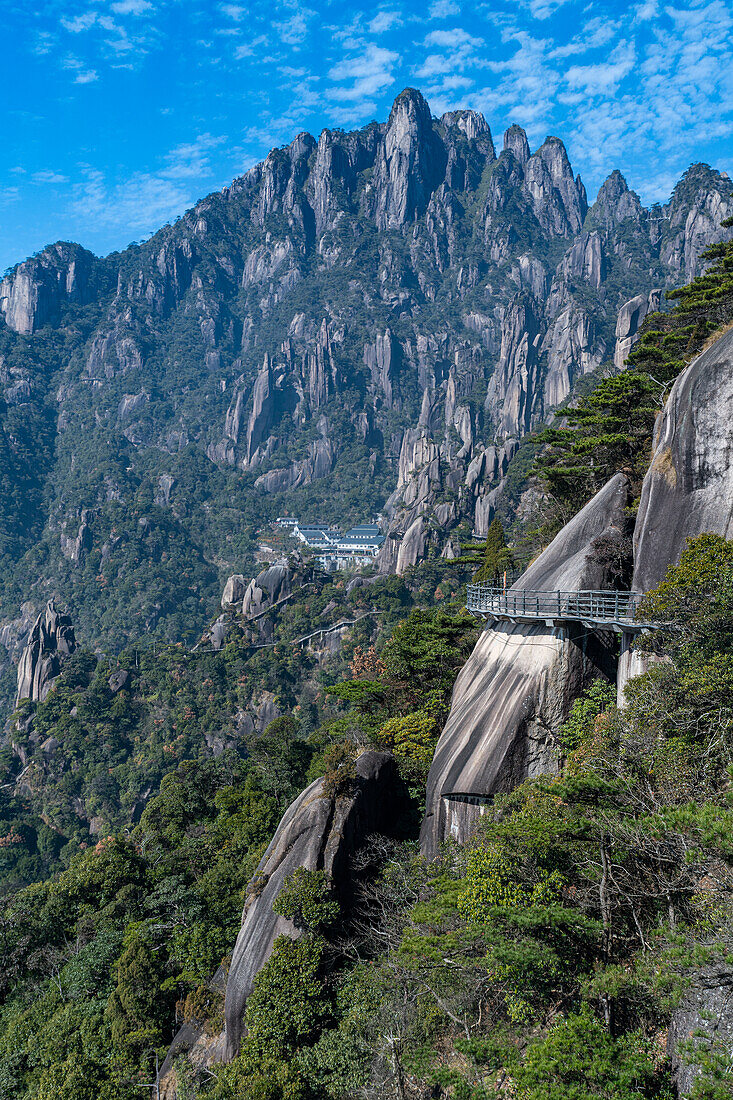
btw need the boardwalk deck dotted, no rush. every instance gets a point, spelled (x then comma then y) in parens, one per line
(612, 610)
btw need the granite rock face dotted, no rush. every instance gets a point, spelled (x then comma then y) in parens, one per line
(234, 590)
(319, 832)
(410, 164)
(688, 488)
(51, 639)
(629, 320)
(516, 688)
(269, 586)
(32, 294)
(706, 1009)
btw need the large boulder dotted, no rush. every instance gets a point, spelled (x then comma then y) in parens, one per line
(264, 590)
(516, 688)
(234, 590)
(318, 831)
(51, 639)
(628, 323)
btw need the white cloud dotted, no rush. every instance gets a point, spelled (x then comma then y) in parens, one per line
(442, 9)
(80, 22)
(248, 49)
(49, 176)
(132, 7)
(233, 11)
(141, 203)
(453, 39)
(605, 76)
(82, 74)
(384, 21)
(191, 160)
(144, 201)
(649, 9)
(45, 41)
(543, 9)
(294, 30)
(450, 69)
(363, 75)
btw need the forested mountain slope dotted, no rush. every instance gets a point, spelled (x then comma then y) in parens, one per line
(572, 943)
(370, 315)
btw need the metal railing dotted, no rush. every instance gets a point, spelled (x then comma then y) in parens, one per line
(589, 606)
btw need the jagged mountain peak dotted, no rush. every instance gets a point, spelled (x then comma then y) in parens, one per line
(515, 142)
(412, 102)
(615, 202)
(471, 123)
(33, 293)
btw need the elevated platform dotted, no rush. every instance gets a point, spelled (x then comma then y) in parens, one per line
(597, 610)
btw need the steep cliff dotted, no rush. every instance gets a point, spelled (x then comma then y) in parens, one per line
(320, 831)
(35, 292)
(51, 639)
(516, 688)
(689, 486)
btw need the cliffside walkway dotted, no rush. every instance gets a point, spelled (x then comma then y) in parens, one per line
(612, 610)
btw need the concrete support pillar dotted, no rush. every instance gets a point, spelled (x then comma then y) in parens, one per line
(630, 664)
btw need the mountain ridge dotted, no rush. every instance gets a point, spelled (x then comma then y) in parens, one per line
(365, 321)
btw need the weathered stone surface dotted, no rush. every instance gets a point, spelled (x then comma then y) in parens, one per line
(629, 320)
(118, 680)
(615, 202)
(234, 590)
(412, 546)
(269, 586)
(218, 632)
(75, 547)
(319, 832)
(33, 292)
(688, 488)
(410, 163)
(51, 639)
(262, 417)
(516, 688)
(707, 1009)
(515, 142)
(320, 460)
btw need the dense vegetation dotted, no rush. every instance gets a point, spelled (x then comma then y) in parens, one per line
(104, 960)
(547, 954)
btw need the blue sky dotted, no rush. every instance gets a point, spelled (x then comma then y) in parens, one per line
(119, 114)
